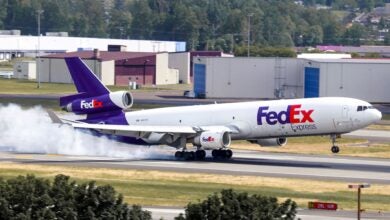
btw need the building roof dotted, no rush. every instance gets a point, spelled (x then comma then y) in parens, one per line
(352, 49)
(49, 44)
(355, 61)
(103, 55)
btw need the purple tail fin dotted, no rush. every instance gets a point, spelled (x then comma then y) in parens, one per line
(86, 82)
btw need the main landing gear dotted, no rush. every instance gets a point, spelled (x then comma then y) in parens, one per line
(201, 154)
(335, 149)
(191, 155)
(222, 154)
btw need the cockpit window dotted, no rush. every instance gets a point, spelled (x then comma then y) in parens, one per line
(363, 108)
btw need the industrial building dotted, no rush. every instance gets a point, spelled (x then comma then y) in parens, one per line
(14, 45)
(24, 70)
(183, 61)
(272, 78)
(367, 79)
(112, 67)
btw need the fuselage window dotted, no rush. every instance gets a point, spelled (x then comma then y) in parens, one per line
(359, 108)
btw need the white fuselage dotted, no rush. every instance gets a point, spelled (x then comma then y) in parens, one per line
(265, 119)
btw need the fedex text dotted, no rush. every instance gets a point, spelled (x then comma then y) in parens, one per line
(293, 115)
(92, 104)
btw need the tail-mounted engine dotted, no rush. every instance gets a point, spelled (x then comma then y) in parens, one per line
(213, 139)
(120, 100)
(270, 142)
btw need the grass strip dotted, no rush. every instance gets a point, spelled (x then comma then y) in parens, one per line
(19, 86)
(157, 188)
(321, 145)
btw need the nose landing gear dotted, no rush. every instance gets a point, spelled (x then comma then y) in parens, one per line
(335, 149)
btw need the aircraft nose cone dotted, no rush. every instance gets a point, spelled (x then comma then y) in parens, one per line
(377, 115)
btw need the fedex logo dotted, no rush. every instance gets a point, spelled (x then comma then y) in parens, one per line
(293, 115)
(93, 104)
(208, 139)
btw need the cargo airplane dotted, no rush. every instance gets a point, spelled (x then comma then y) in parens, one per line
(213, 126)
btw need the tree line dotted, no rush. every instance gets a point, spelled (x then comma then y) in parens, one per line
(222, 25)
(29, 197)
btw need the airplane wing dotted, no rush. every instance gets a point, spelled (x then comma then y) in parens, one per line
(139, 128)
(153, 128)
(142, 130)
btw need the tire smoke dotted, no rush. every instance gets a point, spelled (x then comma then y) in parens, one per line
(31, 131)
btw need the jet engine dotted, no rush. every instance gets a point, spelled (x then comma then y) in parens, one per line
(120, 100)
(213, 139)
(270, 142)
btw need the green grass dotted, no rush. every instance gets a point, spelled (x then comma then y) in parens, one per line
(176, 189)
(28, 103)
(15, 86)
(386, 117)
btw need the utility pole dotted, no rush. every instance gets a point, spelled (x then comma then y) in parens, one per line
(145, 62)
(249, 32)
(38, 59)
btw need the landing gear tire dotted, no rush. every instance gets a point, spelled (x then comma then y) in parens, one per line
(200, 154)
(335, 149)
(228, 154)
(222, 154)
(186, 155)
(189, 155)
(179, 154)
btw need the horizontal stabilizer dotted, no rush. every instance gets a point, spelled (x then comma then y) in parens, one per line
(54, 118)
(64, 100)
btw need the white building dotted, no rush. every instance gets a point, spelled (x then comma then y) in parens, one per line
(272, 78)
(18, 46)
(25, 70)
(241, 77)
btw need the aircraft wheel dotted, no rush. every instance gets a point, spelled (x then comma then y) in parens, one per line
(178, 154)
(189, 155)
(200, 154)
(215, 153)
(335, 149)
(228, 154)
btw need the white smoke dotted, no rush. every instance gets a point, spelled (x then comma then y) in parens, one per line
(31, 131)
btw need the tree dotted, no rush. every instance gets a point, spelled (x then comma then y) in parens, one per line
(232, 205)
(354, 35)
(35, 198)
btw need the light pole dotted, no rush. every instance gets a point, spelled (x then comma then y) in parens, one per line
(145, 62)
(359, 187)
(249, 31)
(39, 12)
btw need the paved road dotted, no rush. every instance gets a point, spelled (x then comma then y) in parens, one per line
(348, 169)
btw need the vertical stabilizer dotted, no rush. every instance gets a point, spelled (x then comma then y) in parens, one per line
(84, 79)
(86, 82)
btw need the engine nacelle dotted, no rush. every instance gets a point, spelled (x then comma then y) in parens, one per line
(110, 102)
(213, 139)
(270, 142)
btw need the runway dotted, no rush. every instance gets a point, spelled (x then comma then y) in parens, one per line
(304, 214)
(252, 163)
